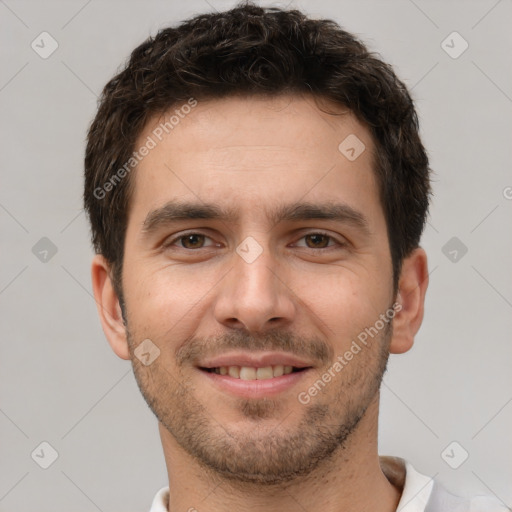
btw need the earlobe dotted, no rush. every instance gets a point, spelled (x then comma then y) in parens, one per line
(108, 307)
(412, 286)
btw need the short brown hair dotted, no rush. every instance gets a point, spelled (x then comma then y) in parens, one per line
(254, 50)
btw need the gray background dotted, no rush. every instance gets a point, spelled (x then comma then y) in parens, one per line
(59, 380)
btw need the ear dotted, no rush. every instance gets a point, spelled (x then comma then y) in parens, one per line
(412, 286)
(108, 306)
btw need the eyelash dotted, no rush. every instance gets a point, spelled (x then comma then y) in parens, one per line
(170, 243)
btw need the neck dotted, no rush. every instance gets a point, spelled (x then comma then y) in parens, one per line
(351, 479)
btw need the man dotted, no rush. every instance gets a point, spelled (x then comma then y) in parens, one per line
(257, 190)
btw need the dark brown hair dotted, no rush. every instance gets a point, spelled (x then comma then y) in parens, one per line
(253, 50)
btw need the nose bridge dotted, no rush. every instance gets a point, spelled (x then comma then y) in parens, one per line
(254, 294)
(253, 262)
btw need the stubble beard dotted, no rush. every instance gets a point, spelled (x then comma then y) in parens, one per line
(258, 453)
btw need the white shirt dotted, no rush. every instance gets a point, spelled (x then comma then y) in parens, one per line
(420, 493)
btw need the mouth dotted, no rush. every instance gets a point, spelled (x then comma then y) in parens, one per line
(252, 373)
(256, 383)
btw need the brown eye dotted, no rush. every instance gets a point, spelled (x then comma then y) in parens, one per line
(192, 241)
(189, 241)
(318, 240)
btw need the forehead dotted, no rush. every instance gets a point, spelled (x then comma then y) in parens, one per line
(254, 151)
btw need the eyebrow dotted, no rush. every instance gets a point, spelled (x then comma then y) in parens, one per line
(175, 211)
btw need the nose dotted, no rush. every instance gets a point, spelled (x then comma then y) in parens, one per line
(255, 294)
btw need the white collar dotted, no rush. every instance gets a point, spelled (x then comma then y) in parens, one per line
(416, 488)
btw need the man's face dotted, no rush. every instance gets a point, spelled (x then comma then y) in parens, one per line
(259, 289)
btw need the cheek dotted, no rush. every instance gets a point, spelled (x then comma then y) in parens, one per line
(345, 304)
(167, 303)
(164, 302)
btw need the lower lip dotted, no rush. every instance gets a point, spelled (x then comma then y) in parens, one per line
(255, 388)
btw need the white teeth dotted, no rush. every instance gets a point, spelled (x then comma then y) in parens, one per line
(234, 371)
(278, 370)
(264, 373)
(249, 373)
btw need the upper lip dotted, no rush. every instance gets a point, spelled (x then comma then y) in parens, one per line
(254, 360)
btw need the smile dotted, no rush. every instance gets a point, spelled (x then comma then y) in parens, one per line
(249, 373)
(256, 383)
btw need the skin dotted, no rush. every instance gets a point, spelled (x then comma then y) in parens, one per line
(224, 452)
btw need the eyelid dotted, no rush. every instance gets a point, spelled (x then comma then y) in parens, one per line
(175, 238)
(337, 241)
(302, 234)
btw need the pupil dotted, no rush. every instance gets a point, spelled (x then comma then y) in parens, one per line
(194, 239)
(315, 239)
(191, 238)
